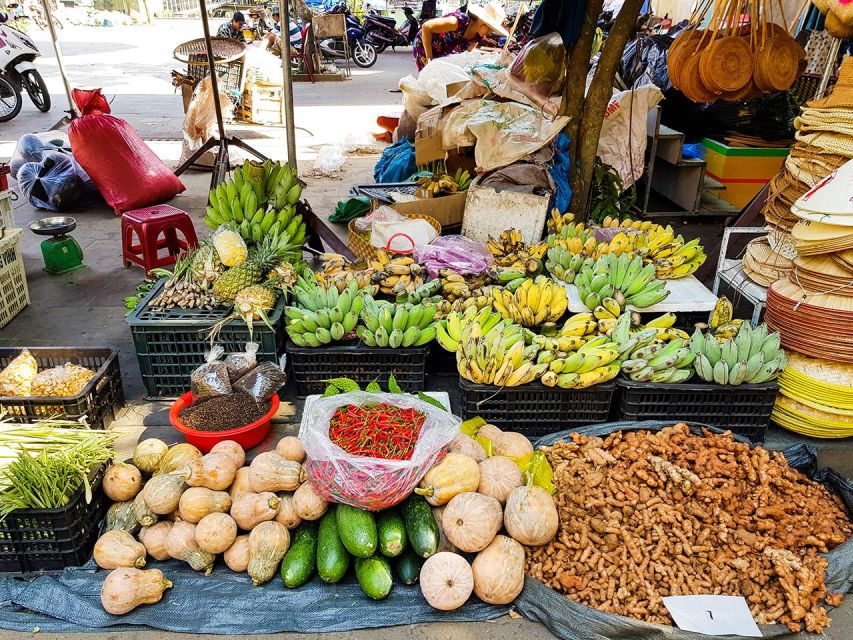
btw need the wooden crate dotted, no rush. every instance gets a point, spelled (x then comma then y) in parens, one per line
(263, 103)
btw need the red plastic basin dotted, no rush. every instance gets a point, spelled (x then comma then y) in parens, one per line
(247, 437)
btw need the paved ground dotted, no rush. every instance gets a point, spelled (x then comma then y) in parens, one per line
(133, 65)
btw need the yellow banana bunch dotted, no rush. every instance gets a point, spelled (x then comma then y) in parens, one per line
(533, 303)
(557, 221)
(438, 184)
(671, 256)
(638, 225)
(510, 250)
(337, 272)
(594, 362)
(722, 313)
(398, 275)
(497, 357)
(458, 287)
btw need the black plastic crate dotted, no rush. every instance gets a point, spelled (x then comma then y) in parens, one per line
(535, 409)
(171, 343)
(744, 409)
(441, 361)
(99, 400)
(313, 365)
(38, 541)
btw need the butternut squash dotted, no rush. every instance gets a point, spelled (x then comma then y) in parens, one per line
(118, 549)
(181, 545)
(456, 474)
(236, 557)
(162, 493)
(215, 532)
(178, 455)
(148, 454)
(122, 482)
(499, 475)
(471, 520)
(143, 515)
(231, 448)
(467, 445)
(197, 502)
(290, 448)
(271, 472)
(512, 445)
(499, 571)
(530, 516)
(120, 515)
(446, 581)
(214, 471)
(242, 482)
(287, 513)
(308, 504)
(154, 539)
(250, 509)
(125, 589)
(268, 542)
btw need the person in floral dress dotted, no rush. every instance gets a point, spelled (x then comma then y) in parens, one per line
(457, 32)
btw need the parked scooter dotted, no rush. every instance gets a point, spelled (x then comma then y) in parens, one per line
(17, 53)
(362, 52)
(382, 32)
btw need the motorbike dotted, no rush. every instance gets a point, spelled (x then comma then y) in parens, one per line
(382, 32)
(17, 53)
(362, 52)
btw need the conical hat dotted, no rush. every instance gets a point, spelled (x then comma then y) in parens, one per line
(831, 196)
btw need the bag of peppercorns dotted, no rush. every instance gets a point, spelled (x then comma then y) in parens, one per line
(262, 381)
(211, 379)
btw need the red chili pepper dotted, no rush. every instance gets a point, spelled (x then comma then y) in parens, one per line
(377, 431)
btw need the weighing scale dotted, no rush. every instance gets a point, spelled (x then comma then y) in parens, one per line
(60, 252)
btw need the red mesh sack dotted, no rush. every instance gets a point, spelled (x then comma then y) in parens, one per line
(126, 171)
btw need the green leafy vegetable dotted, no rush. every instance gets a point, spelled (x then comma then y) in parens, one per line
(393, 387)
(373, 387)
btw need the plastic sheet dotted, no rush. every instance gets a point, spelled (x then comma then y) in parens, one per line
(56, 183)
(126, 171)
(211, 378)
(455, 252)
(262, 381)
(371, 483)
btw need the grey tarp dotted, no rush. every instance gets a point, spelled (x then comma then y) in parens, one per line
(226, 603)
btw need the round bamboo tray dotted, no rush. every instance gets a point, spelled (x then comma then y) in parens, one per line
(726, 65)
(359, 243)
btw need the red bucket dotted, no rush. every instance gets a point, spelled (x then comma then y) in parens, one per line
(247, 437)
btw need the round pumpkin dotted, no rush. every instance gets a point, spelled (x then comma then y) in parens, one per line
(513, 445)
(530, 516)
(471, 521)
(499, 571)
(498, 477)
(446, 581)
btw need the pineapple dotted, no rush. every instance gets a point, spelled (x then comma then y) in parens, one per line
(230, 246)
(251, 303)
(283, 274)
(252, 271)
(206, 266)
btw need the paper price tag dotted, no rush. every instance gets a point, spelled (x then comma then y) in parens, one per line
(713, 615)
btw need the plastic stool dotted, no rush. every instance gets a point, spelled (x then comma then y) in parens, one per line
(149, 224)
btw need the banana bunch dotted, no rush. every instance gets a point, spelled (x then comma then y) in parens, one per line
(557, 221)
(663, 325)
(482, 300)
(338, 272)
(510, 250)
(230, 203)
(498, 356)
(648, 357)
(670, 255)
(439, 184)
(323, 315)
(534, 302)
(281, 185)
(428, 292)
(462, 179)
(577, 238)
(752, 357)
(624, 279)
(398, 275)
(564, 265)
(386, 324)
(455, 286)
(637, 225)
(595, 362)
(456, 326)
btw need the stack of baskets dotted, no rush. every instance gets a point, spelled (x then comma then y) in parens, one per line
(734, 58)
(14, 294)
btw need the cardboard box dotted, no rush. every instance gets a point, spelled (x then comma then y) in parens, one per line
(428, 143)
(448, 210)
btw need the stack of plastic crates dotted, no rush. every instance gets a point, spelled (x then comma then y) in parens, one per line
(14, 294)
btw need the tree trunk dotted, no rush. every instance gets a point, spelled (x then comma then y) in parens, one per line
(595, 104)
(300, 10)
(578, 69)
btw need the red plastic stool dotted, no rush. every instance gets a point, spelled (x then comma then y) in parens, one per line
(148, 224)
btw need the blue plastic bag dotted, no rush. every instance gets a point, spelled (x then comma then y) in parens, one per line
(396, 164)
(559, 169)
(56, 183)
(32, 148)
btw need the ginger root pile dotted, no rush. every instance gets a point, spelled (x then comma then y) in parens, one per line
(646, 515)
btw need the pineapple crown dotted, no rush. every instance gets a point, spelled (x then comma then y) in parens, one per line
(266, 254)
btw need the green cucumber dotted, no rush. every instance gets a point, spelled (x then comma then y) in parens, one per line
(357, 530)
(421, 527)
(374, 576)
(332, 556)
(298, 564)
(409, 567)
(392, 533)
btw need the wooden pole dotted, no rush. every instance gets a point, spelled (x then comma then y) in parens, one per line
(287, 80)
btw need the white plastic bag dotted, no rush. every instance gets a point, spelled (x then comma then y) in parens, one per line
(329, 160)
(370, 483)
(402, 236)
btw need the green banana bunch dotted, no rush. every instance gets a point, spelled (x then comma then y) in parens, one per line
(594, 362)
(386, 324)
(462, 179)
(456, 326)
(564, 265)
(624, 279)
(428, 291)
(498, 356)
(283, 187)
(753, 356)
(323, 315)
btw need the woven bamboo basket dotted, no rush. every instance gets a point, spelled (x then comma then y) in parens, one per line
(726, 65)
(359, 243)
